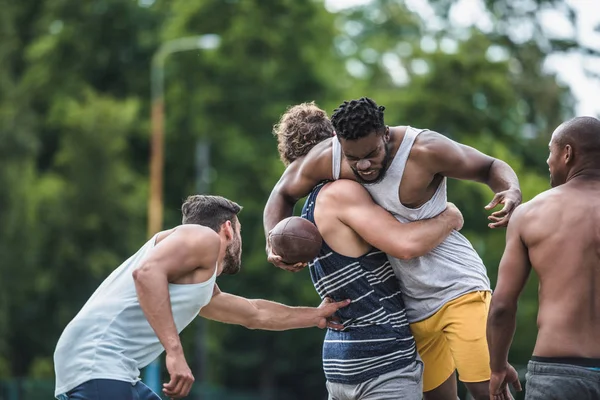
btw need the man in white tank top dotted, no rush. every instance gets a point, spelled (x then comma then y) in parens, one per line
(143, 305)
(447, 291)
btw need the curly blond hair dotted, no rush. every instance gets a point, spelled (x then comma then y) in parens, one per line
(300, 129)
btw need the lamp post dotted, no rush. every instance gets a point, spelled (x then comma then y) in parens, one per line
(155, 195)
(155, 200)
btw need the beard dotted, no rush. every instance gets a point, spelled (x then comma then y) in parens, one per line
(232, 261)
(385, 162)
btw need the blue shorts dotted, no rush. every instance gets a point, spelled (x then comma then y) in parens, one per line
(109, 389)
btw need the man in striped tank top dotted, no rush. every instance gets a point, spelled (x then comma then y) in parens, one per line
(446, 291)
(374, 356)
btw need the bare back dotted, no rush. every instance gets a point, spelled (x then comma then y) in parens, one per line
(561, 229)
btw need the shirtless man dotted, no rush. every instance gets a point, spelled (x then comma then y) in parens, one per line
(562, 244)
(447, 291)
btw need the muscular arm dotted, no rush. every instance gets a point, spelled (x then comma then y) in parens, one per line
(188, 248)
(299, 178)
(455, 160)
(512, 275)
(356, 209)
(264, 314)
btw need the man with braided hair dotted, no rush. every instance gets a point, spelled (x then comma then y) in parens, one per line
(374, 356)
(446, 292)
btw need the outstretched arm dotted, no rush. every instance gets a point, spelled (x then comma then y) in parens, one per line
(356, 209)
(512, 275)
(267, 315)
(455, 160)
(299, 178)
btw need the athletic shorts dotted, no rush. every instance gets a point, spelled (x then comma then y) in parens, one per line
(404, 383)
(454, 338)
(109, 389)
(558, 379)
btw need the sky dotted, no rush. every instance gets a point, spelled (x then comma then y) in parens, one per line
(570, 68)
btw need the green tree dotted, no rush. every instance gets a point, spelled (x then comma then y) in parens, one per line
(272, 54)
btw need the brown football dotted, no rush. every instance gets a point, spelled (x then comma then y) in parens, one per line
(296, 240)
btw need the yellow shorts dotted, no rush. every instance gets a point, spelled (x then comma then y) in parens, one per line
(454, 339)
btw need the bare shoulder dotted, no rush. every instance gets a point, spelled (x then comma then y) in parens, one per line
(195, 236)
(344, 191)
(430, 142)
(546, 199)
(544, 205)
(431, 147)
(197, 232)
(317, 162)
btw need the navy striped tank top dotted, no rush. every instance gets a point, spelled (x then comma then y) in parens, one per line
(376, 338)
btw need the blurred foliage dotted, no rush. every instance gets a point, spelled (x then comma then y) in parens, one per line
(74, 130)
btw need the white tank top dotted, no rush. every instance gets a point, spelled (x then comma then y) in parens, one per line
(448, 271)
(110, 337)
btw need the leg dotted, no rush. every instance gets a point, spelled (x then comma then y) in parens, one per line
(465, 320)
(340, 391)
(405, 383)
(445, 391)
(439, 379)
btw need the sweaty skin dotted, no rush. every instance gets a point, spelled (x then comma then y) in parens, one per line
(432, 157)
(562, 244)
(345, 213)
(558, 235)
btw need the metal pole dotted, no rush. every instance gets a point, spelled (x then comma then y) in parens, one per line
(155, 193)
(155, 200)
(202, 186)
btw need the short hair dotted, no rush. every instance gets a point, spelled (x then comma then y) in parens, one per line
(356, 119)
(583, 134)
(210, 211)
(299, 129)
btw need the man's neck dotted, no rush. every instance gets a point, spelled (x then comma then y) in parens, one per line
(587, 173)
(397, 134)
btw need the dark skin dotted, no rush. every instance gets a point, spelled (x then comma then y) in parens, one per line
(562, 245)
(432, 157)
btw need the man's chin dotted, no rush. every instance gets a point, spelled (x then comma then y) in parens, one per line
(368, 178)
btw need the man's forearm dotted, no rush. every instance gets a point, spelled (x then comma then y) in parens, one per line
(278, 208)
(153, 294)
(274, 316)
(431, 233)
(502, 177)
(500, 331)
(423, 236)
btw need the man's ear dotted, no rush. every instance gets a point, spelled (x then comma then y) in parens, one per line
(568, 154)
(386, 134)
(227, 230)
